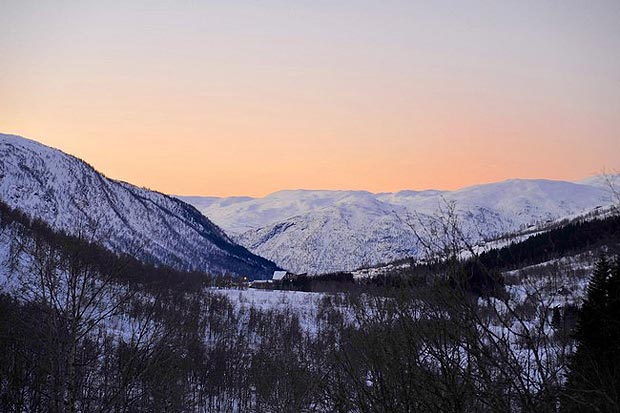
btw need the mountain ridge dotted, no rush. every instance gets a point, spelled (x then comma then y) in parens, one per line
(70, 195)
(325, 231)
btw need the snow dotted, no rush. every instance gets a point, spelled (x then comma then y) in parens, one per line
(324, 231)
(279, 275)
(558, 282)
(602, 180)
(71, 196)
(304, 305)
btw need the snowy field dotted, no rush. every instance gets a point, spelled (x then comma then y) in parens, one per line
(304, 305)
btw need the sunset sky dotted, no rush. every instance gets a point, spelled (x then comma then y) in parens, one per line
(249, 97)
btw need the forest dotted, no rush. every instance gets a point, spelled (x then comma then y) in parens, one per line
(86, 330)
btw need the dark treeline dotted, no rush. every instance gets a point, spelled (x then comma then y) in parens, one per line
(469, 275)
(333, 282)
(570, 239)
(481, 274)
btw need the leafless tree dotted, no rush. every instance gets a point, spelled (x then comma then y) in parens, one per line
(80, 296)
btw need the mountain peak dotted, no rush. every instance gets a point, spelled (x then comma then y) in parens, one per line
(71, 196)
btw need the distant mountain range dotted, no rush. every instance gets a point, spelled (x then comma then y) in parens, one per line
(324, 231)
(70, 196)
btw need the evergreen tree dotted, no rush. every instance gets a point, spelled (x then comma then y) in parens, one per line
(614, 283)
(593, 381)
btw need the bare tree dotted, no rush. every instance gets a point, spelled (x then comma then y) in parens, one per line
(611, 181)
(70, 280)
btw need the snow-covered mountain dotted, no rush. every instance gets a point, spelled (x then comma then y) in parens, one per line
(69, 195)
(322, 231)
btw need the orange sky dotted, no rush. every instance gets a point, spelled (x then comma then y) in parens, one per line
(248, 98)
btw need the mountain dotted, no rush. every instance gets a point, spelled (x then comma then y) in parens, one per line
(323, 231)
(71, 196)
(30, 250)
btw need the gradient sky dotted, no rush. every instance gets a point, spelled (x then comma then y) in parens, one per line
(249, 97)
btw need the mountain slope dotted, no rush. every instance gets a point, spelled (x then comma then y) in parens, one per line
(71, 196)
(323, 231)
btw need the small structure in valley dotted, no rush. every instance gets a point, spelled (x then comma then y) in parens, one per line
(276, 281)
(279, 275)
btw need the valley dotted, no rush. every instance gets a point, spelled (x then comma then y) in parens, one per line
(143, 303)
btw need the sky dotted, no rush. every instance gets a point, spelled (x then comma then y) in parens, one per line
(250, 97)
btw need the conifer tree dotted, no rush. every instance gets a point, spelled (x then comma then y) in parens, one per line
(593, 381)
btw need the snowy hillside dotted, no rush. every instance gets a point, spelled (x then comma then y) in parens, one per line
(71, 196)
(323, 231)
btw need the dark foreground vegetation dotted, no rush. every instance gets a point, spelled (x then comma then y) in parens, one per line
(89, 331)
